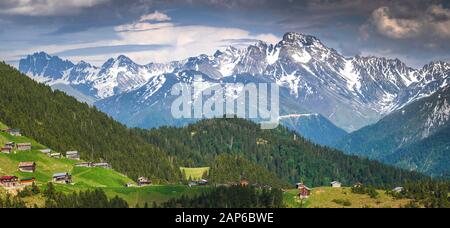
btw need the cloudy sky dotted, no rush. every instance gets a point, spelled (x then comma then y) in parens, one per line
(416, 31)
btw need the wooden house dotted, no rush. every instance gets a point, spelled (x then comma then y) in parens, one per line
(55, 155)
(336, 184)
(143, 181)
(6, 150)
(27, 167)
(203, 182)
(9, 181)
(128, 185)
(10, 144)
(304, 191)
(62, 178)
(102, 165)
(244, 182)
(23, 146)
(27, 181)
(85, 164)
(398, 189)
(73, 155)
(358, 185)
(13, 132)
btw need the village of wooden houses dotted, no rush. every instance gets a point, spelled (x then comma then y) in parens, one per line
(13, 184)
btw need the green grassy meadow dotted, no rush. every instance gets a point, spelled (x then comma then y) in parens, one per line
(327, 197)
(194, 173)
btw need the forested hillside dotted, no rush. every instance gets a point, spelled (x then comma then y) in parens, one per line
(414, 138)
(62, 123)
(430, 155)
(290, 156)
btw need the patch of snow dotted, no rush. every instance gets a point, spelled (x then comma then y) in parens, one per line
(273, 57)
(351, 76)
(292, 81)
(303, 57)
(154, 86)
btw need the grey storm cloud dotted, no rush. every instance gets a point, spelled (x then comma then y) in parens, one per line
(351, 26)
(45, 7)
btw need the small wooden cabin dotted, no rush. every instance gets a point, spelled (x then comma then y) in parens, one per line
(23, 146)
(304, 191)
(13, 132)
(73, 155)
(245, 182)
(6, 150)
(9, 181)
(84, 164)
(62, 178)
(27, 167)
(336, 184)
(143, 181)
(103, 165)
(55, 155)
(27, 181)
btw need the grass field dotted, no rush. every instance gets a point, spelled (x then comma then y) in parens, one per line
(194, 173)
(328, 197)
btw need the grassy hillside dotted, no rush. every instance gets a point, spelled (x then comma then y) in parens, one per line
(46, 167)
(327, 197)
(84, 179)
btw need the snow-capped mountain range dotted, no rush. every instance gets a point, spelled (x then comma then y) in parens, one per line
(351, 92)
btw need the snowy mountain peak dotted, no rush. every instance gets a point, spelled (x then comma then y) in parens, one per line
(438, 67)
(44, 67)
(298, 38)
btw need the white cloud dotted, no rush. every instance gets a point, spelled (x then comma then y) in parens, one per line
(177, 42)
(46, 7)
(146, 22)
(433, 21)
(156, 16)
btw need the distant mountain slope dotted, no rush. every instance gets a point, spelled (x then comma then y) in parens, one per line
(315, 127)
(430, 156)
(293, 158)
(415, 125)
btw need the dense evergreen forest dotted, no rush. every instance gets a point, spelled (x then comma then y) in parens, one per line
(232, 197)
(291, 157)
(85, 199)
(429, 194)
(233, 148)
